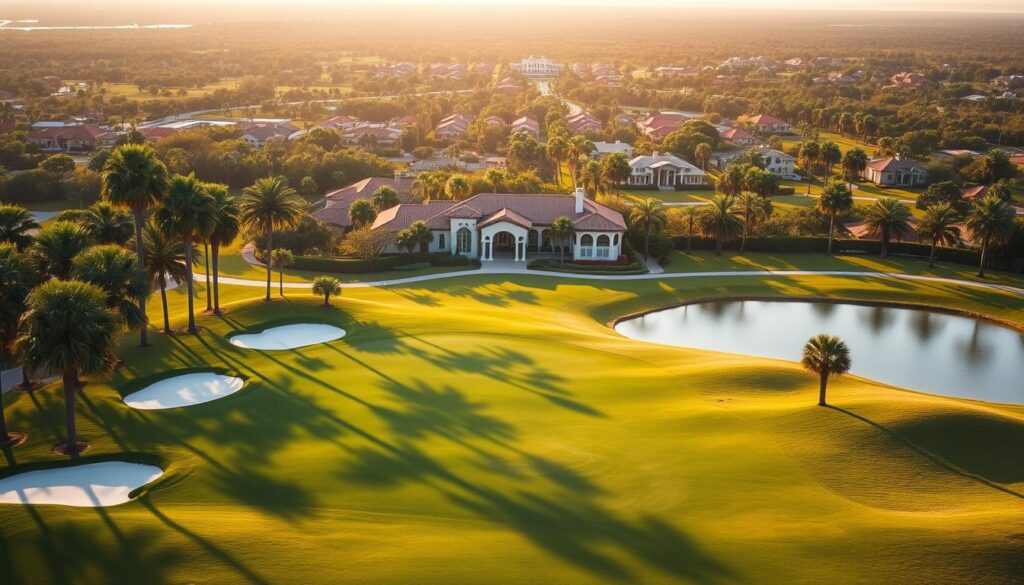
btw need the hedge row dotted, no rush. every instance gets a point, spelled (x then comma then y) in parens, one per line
(552, 264)
(844, 246)
(381, 264)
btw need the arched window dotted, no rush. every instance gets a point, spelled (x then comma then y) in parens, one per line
(615, 240)
(463, 241)
(587, 246)
(602, 246)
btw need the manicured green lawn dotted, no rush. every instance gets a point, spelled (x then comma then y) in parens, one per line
(495, 430)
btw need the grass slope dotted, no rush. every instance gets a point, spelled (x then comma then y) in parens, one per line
(475, 430)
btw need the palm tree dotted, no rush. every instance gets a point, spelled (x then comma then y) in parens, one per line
(268, 205)
(835, 199)
(810, 152)
(15, 224)
(939, 226)
(721, 220)
(361, 213)
(457, 188)
(854, 162)
(165, 257)
(107, 224)
(825, 355)
(702, 152)
(590, 177)
(753, 208)
(649, 213)
(385, 197)
(990, 221)
(113, 269)
(830, 155)
(325, 286)
(134, 177)
(68, 329)
(557, 149)
(17, 275)
(578, 148)
(187, 210)
(615, 170)
(56, 245)
(281, 258)
(224, 231)
(561, 231)
(495, 178)
(887, 217)
(691, 213)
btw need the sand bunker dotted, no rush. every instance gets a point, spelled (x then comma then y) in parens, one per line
(289, 336)
(85, 486)
(184, 390)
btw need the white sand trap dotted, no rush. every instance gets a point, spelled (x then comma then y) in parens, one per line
(289, 336)
(85, 486)
(184, 390)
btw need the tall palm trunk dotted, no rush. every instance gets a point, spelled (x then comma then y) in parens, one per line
(206, 259)
(647, 241)
(4, 436)
(187, 239)
(70, 379)
(280, 280)
(162, 281)
(885, 244)
(831, 229)
(743, 241)
(266, 260)
(215, 251)
(718, 242)
(140, 262)
(821, 389)
(931, 257)
(984, 250)
(689, 236)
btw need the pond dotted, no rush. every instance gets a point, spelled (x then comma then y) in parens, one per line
(923, 350)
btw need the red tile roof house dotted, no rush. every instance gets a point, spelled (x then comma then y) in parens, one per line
(452, 127)
(342, 122)
(491, 226)
(80, 137)
(528, 125)
(157, 132)
(493, 120)
(907, 79)
(895, 172)
(659, 126)
(770, 124)
(337, 203)
(739, 136)
(582, 122)
(973, 192)
(259, 133)
(371, 135)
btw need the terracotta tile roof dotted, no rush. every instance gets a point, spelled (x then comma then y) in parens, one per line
(75, 132)
(861, 231)
(401, 216)
(765, 120)
(975, 192)
(337, 203)
(737, 134)
(893, 164)
(506, 214)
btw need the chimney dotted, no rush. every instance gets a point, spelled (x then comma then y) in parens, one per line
(580, 195)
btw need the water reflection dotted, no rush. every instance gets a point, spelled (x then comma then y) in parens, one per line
(921, 350)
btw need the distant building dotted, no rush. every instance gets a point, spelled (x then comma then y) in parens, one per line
(70, 138)
(738, 136)
(528, 125)
(909, 79)
(371, 135)
(537, 67)
(337, 202)
(583, 122)
(452, 127)
(340, 122)
(770, 124)
(660, 125)
(664, 171)
(259, 133)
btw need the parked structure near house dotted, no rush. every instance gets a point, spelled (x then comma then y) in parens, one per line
(770, 124)
(257, 134)
(602, 149)
(528, 125)
(895, 172)
(664, 171)
(491, 226)
(72, 138)
(337, 202)
(537, 67)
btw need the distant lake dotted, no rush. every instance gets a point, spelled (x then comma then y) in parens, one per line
(922, 350)
(31, 24)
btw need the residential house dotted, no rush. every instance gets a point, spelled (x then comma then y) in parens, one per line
(341, 122)
(526, 124)
(508, 85)
(660, 125)
(156, 133)
(452, 127)
(69, 138)
(767, 124)
(397, 71)
(895, 172)
(493, 120)
(779, 163)
(447, 71)
(493, 226)
(909, 79)
(603, 149)
(663, 171)
(583, 122)
(973, 192)
(737, 136)
(259, 133)
(337, 202)
(372, 135)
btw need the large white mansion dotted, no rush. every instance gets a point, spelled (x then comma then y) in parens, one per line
(663, 171)
(534, 67)
(493, 225)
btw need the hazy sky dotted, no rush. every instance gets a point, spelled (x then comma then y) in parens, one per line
(931, 5)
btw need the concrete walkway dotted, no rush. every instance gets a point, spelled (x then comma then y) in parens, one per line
(498, 268)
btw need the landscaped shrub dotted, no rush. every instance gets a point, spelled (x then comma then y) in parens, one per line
(381, 264)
